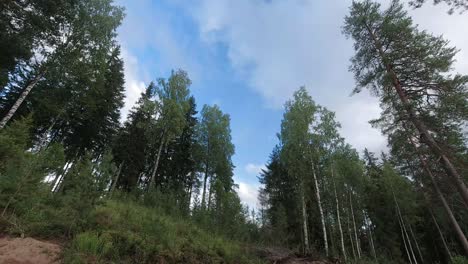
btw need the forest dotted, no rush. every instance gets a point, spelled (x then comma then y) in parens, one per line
(157, 186)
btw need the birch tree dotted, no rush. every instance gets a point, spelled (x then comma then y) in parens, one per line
(84, 31)
(173, 98)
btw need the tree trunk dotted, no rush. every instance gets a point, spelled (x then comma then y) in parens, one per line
(441, 235)
(404, 241)
(343, 250)
(420, 126)
(210, 192)
(453, 221)
(20, 100)
(319, 203)
(371, 240)
(416, 243)
(59, 180)
(405, 232)
(354, 225)
(114, 184)
(57, 177)
(351, 236)
(153, 175)
(304, 221)
(190, 190)
(204, 185)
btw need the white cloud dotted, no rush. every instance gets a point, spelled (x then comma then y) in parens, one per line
(248, 194)
(278, 46)
(133, 85)
(254, 169)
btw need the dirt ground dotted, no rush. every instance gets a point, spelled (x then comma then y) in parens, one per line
(285, 256)
(28, 251)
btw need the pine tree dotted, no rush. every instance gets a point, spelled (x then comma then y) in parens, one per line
(406, 68)
(131, 148)
(453, 4)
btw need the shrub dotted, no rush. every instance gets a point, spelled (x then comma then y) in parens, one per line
(459, 260)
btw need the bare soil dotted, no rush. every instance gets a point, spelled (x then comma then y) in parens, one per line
(286, 256)
(28, 251)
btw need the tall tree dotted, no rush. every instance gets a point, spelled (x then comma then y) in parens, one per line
(84, 39)
(396, 60)
(131, 147)
(173, 98)
(296, 153)
(27, 27)
(214, 138)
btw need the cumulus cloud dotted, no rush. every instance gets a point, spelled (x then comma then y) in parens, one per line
(254, 169)
(278, 46)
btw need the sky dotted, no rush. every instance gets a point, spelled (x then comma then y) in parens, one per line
(249, 56)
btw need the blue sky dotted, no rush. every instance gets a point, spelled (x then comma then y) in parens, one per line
(249, 56)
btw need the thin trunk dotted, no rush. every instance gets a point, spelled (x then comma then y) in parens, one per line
(190, 190)
(59, 179)
(204, 185)
(371, 240)
(416, 243)
(351, 236)
(404, 229)
(304, 221)
(453, 221)
(355, 229)
(441, 235)
(43, 142)
(343, 250)
(58, 176)
(420, 126)
(319, 203)
(20, 99)
(210, 192)
(155, 170)
(404, 241)
(114, 184)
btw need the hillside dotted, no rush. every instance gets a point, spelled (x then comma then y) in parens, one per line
(126, 232)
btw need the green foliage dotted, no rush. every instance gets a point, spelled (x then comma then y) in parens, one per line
(126, 232)
(459, 260)
(22, 172)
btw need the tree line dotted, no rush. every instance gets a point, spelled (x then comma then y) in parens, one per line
(64, 151)
(63, 148)
(409, 205)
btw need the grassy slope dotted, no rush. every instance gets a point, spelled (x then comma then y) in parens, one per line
(131, 233)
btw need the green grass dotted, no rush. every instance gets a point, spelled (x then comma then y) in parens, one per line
(126, 232)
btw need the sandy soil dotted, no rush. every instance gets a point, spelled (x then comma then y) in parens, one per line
(28, 251)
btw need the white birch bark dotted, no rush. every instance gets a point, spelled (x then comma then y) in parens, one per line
(304, 221)
(319, 203)
(343, 250)
(21, 99)
(354, 225)
(153, 175)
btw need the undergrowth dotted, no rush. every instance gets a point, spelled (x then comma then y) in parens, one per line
(126, 232)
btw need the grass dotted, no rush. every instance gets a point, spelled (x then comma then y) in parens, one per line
(126, 232)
